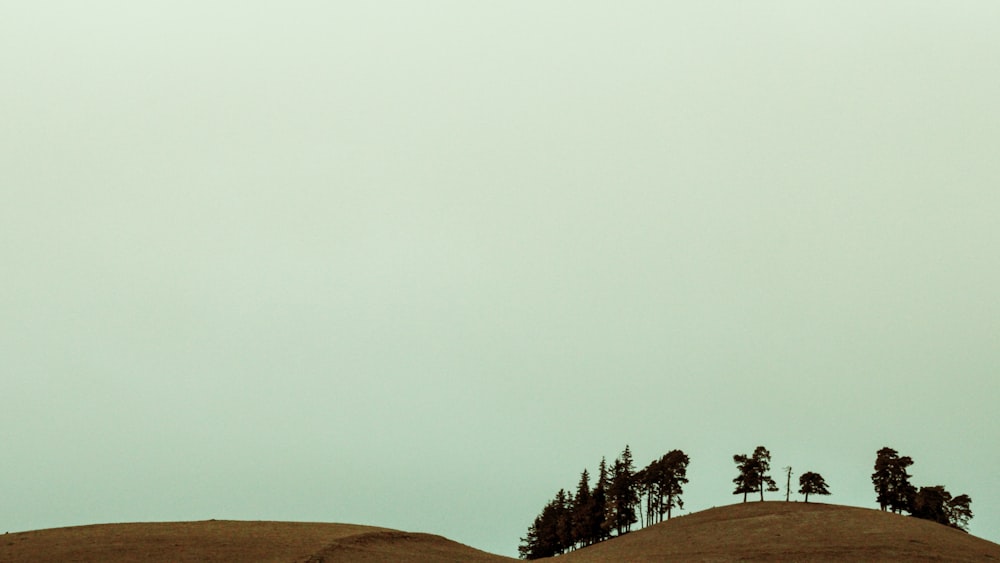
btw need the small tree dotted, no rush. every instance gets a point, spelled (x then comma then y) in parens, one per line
(762, 459)
(812, 483)
(960, 512)
(744, 480)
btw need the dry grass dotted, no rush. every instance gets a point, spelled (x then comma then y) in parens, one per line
(769, 531)
(207, 541)
(403, 547)
(780, 531)
(229, 541)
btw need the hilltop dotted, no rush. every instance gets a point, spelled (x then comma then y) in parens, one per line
(792, 531)
(756, 531)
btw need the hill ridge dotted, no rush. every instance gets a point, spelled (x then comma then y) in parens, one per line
(753, 531)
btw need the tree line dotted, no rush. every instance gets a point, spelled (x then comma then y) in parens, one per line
(590, 514)
(611, 507)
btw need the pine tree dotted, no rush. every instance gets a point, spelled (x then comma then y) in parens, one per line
(892, 483)
(673, 477)
(547, 535)
(529, 543)
(753, 473)
(648, 485)
(744, 481)
(762, 459)
(600, 506)
(623, 496)
(564, 521)
(960, 512)
(930, 503)
(936, 503)
(583, 510)
(812, 483)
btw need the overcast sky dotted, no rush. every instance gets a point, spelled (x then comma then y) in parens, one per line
(418, 264)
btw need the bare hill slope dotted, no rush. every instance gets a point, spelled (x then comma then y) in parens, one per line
(229, 541)
(392, 546)
(780, 531)
(212, 540)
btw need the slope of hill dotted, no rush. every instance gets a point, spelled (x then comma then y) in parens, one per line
(780, 531)
(228, 541)
(392, 546)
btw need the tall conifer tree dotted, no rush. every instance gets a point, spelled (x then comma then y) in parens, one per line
(583, 512)
(892, 483)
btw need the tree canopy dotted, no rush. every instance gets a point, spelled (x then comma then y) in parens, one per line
(895, 492)
(754, 473)
(936, 503)
(892, 483)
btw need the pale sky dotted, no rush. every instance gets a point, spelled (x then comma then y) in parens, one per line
(418, 264)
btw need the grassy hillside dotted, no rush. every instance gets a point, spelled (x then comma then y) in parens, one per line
(780, 531)
(228, 541)
(768, 531)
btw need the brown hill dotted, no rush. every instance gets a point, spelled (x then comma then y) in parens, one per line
(229, 541)
(768, 531)
(782, 531)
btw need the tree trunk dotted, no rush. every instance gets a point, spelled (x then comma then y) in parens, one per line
(641, 520)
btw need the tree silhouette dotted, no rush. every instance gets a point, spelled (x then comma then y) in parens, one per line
(623, 495)
(590, 515)
(892, 483)
(564, 521)
(812, 483)
(528, 549)
(550, 533)
(672, 478)
(960, 512)
(744, 480)
(663, 483)
(601, 501)
(936, 503)
(763, 463)
(753, 473)
(930, 503)
(583, 512)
